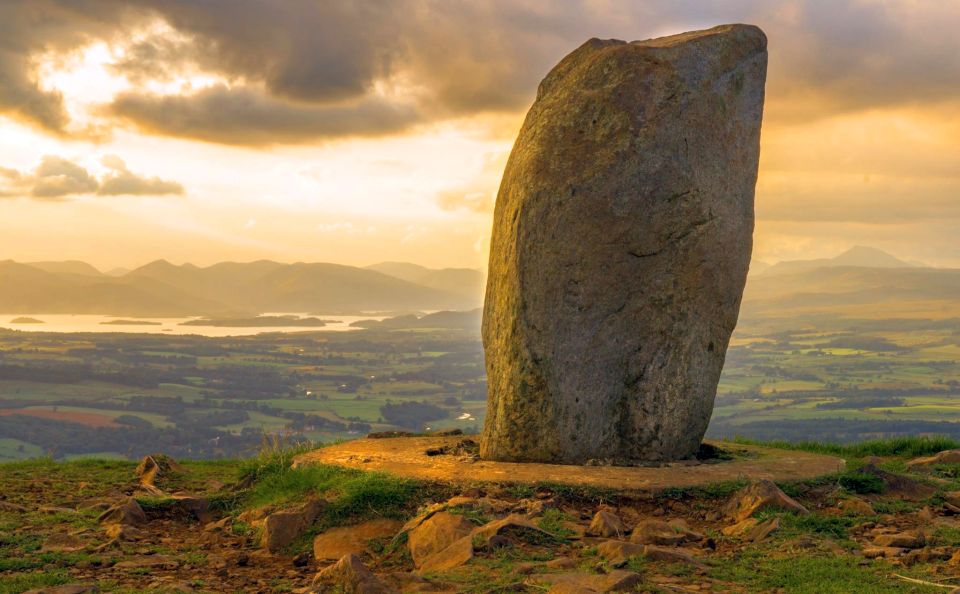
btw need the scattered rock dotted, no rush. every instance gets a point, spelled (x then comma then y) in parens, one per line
(436, 534)
(762, 530)
(606, 524)
(66, 589)
(198, 507)
(122, 532)
(622, 202)
(618, 552)
(63, 543)
(854, 506)
(148, 562)
(512, 524)
(458, 553)
(283, 527)
(758, 496)
(582, 583)
(351, 576)
(221, 525)
(670, 555)
(926, 555)
(13, 508)
(95, 503)
(883, 552)
(155, 467)
(658, 532)
(128, 513)
(899, 485)
(944, 457)
(337, 543)
(740, 528)
(902, 540)
(561, 563)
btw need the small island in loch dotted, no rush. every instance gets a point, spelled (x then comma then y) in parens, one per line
(23, 320)
(130, 323)
(258, 321)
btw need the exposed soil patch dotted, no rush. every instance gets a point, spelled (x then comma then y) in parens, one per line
(453, 459)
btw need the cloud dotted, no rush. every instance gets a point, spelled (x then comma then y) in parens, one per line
(301, 69)
(246, 116)
(56, 178)
(121, 182)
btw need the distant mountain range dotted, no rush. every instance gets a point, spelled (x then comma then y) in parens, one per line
(859, 256)
(164, 289)
(862, 282)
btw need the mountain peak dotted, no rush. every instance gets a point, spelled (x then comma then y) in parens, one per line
(861, 255)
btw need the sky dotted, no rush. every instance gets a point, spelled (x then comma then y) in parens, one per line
(360, 131)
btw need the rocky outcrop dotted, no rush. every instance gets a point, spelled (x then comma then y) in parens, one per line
(621, 239)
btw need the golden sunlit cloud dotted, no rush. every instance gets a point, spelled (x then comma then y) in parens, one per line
(363, 131)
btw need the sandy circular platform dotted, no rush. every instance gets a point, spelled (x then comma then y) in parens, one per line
(407, 457)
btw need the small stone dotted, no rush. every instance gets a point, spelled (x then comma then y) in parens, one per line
(127, 513)
(903, 540)
(457, 554)
(283, 527)
(762, 530)
(435, 534)
(883, 552)
(759, 496)
(618, 552)
(351, 576)
(854, 506)
(337, 543)
(671, 555)
(66, 589)
(944, 457)
(63, 543)
(580, 583)
(606, 524)
(13, 508)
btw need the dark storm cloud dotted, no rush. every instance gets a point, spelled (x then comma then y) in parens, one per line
(56, 178)
(301, 70)
(252, 117)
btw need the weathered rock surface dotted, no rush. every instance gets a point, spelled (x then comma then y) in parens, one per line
(337, 543)
(759, 496)
(126, 513)
(351, 576)
(621, 239)
(283, 527)
(606, 524)
(436, 533)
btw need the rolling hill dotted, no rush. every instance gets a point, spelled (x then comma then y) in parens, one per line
(465, 282)
(228, 288)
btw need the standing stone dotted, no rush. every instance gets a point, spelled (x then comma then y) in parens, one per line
(621, 241)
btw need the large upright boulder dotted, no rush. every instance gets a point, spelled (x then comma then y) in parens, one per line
(621, 241)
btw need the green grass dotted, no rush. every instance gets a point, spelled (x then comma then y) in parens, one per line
(21, 582)
(553, 520)
(352, 495)
(906, 447)
(810, 574)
